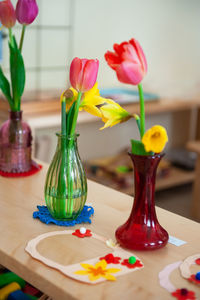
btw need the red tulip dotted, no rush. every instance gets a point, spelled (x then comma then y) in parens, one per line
(7, 14)
(128, 61)
(83, 73)
(26, 11)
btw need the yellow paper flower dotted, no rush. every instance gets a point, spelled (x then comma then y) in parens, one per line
(97, 271)
(113, 113)
(155, 139)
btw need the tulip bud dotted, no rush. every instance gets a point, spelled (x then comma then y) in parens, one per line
(26, 11)
(7, 14)
(83, 73)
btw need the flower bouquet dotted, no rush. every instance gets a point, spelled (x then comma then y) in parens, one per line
(15, 135)
(142, 230)
(66, 184)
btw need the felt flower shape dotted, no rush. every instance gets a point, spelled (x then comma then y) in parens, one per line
(184, 294)
(82, 235)
(128, 61)
(197, 261)
(111, 259)
(111, 244)
(97, 271)
(26, 11)
(137, 264)
(83, 73)
(113, 113)
(7, 14)
(155, 139)
(193, 279)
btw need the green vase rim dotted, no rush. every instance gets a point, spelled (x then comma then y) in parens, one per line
(68, 137)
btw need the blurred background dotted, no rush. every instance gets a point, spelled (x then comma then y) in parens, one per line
(169, 32)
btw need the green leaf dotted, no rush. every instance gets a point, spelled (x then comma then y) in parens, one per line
(5, 87)
(17, 73)
(123, 169)
(138, 148)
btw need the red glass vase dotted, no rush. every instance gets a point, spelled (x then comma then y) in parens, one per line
(15, 144)
(142, 230)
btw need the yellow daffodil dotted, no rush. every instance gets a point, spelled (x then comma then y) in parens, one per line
(155, 139)
(97, 271)
(90, 101)
(113, 113)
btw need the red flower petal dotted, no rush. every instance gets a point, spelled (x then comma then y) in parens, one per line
(111, 259)
(184, 294)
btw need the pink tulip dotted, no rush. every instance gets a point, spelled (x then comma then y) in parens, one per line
(26, 11)
(128, 61)
(7, 14)
(83, 73)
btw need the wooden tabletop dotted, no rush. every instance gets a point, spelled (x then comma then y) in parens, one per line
(18, 200)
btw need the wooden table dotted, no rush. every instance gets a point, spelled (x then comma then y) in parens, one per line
(18, 200)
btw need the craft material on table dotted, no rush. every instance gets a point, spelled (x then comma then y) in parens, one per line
(35, 168)
(95, 270)
(44, 215)
(111, 207)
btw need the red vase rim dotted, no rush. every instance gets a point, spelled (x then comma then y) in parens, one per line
(156, 155)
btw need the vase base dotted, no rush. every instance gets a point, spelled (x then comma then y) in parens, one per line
(139, 241)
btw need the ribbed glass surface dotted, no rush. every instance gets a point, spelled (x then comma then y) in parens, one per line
(66, 183)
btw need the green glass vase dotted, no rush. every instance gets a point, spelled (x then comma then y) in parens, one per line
(66, 182)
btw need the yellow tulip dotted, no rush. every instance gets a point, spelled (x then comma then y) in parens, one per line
(155, 139)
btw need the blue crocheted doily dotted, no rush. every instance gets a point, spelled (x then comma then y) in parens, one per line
(45, 217)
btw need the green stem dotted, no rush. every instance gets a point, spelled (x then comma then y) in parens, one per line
(22, 38)
(142, 110)
(10, 36)
(62, 176)
(71, 141)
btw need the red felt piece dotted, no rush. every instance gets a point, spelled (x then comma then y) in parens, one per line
(197, 261)
(193, 279)
(81, 235)
(137, 264)
(184, 294)
(35, 168)
(111, 259)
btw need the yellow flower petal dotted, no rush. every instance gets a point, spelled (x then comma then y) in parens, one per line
(81, 272)
(155, 139)
(102, 263)
(93, 110)
(112, 270)
(86, 266)
(109, 277)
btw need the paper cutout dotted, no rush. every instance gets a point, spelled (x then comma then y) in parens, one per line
(175, 241)
(98, 270)
(164, 276)
(71, 270)
(185, 268)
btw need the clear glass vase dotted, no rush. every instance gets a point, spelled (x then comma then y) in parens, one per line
(15, 144)
(142, 230)
(66, 183)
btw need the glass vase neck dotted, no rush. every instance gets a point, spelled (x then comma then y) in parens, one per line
(15, 115)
